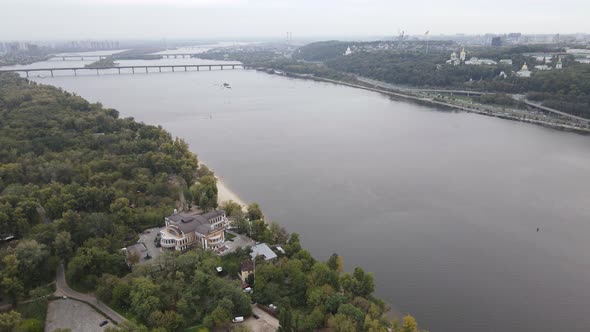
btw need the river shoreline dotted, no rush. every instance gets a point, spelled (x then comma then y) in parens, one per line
(444, 104)
(225, 194)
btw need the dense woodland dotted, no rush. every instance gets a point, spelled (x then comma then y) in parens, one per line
(78, 183)
(567, 90)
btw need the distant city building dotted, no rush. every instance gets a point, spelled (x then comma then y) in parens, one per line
(559, 64)
(542, 67)
(480, 62)
(454, 60)
(497, 41)
(524, 71)
(580, 55)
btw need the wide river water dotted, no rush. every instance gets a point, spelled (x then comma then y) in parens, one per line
(442, 206)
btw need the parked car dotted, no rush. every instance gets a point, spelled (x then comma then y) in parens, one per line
(103, 323)
(255, 316)
(238, 319)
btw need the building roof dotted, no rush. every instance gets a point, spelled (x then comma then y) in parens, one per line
(139, 249)
(247, 266)
(262, 249)
(193, 221)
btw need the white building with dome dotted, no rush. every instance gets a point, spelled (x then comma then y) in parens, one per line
(524, 71)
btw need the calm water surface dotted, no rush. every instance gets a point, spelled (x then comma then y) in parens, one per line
(442, 206)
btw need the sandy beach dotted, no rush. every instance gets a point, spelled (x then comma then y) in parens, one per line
(225, 194)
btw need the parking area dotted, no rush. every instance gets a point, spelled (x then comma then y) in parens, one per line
(239, 241)
(147, 237)
(74, 315)
(264, 323)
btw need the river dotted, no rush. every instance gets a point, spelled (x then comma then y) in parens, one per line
(442, 206)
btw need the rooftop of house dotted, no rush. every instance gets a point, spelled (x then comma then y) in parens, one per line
(247, 266)
(262, 249)
(194, 221)
(139, 249)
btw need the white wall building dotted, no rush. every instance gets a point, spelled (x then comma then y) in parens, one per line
(186, 230)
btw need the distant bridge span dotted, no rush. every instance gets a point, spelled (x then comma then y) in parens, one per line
(78, 57)
(81, 57)
(133, 68)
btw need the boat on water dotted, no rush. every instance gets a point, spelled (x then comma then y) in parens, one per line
(226, 85)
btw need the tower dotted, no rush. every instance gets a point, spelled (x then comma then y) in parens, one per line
(454, 60)
(462, 55)
(559, 64)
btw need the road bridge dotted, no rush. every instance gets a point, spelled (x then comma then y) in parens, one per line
(78, 57)
(554, 111)
(132, 68)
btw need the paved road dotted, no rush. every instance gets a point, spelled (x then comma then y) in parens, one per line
(62, 289)
(552, 110)
(270, 320)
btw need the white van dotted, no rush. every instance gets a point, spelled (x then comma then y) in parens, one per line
(238, 319)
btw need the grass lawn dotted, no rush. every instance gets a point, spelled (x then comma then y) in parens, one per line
(229, 236)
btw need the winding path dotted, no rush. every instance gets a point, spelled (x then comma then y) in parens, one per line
(62, 289)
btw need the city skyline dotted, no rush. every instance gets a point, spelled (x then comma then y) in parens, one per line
(207, 19)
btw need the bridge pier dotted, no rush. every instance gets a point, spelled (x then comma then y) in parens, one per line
(209, 67)
(184, 68)
(133, 70)
(82, 58)
(51, 73)
(233, 67)
(75, 73)
(221, 67)
(146, 70)
(119, 69)
(27, 72)
(173, 66)
(198, 68)
(97, 72)
(63, 58)
(160, 69)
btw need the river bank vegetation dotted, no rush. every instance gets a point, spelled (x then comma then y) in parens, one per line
(409, 64)
(78, 183)
(567, 90)
(102, 63)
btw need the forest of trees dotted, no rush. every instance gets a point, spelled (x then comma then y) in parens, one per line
(78, 183)
(567, 90)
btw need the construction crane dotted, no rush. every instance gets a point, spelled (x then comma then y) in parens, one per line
(401, 36)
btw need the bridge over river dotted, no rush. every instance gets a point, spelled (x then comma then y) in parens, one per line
(129, 69)
(82, 57)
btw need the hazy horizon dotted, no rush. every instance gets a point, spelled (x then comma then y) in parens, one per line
(268, 19)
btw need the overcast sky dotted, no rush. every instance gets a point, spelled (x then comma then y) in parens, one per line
(157, 19)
